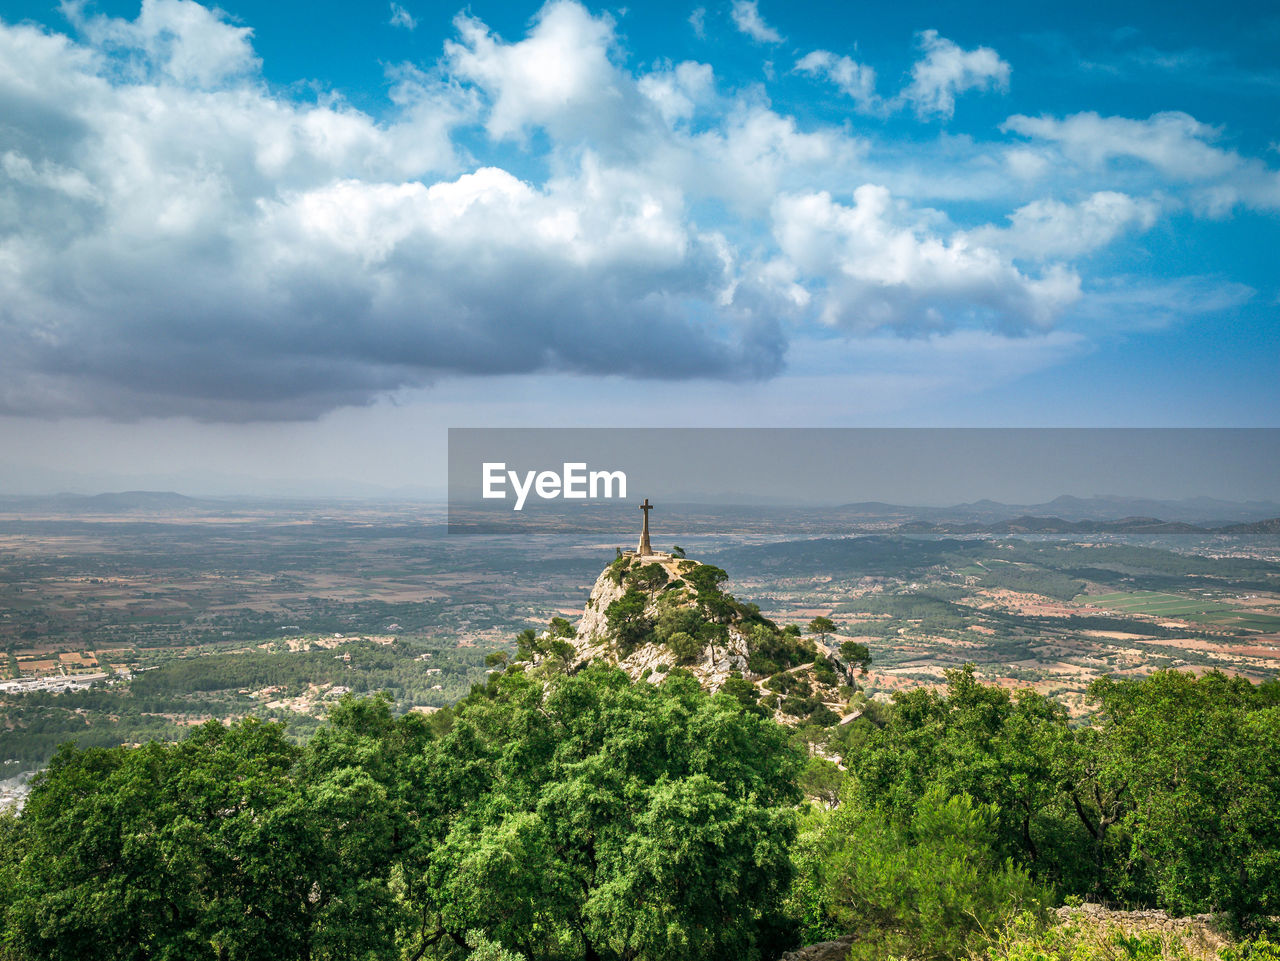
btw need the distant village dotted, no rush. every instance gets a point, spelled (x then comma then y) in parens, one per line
(57, 683)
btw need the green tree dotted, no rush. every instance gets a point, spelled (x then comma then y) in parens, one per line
(1008, 750)
(627, 619)
(685, 647)
(706, 578)
(596, 818)
(822, 781)
(931, 886)
(856, 655)
(527, 646)
(230, 844)
(1162, 802)
(561, 627)
(618, 569)
(12, 850)
(675, 617)
(1197, 764)
(649, 578)
(822, 626)
(742, 691)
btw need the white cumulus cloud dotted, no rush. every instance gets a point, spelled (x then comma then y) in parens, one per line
(227, 253)
(179, 235)
(400, 17)
(177, 39)
(947, 70)
(677, 91)
(1173, 144)
(747, 18)
(882, 265)
(854, 79)
(1052, 229)
(559, 76)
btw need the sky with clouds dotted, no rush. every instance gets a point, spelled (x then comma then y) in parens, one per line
(284, 246)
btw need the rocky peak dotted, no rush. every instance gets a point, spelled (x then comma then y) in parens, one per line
(651, 613)
(640, 604)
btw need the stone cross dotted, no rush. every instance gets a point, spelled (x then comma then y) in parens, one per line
(644, 548)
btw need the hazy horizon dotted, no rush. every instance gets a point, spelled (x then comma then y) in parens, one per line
(910, 468)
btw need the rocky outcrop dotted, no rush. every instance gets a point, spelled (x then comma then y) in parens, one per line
(837, 950)
(670, 612)
(649, 614)
(594, 641)
(1202, 934)
(1196, 938)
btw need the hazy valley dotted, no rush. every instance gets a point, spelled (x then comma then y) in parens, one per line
(132, 617)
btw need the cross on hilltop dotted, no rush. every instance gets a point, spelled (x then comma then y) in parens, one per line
(644, 549)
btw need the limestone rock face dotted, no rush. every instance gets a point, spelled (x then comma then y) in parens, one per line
(593, 629)
(594, 640)
(661, 600)
(836, 950)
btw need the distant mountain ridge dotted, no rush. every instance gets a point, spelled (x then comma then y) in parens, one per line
(1204, 512)
(1065, 514)
(106, 503)
(1027, 524)
(1269, 526)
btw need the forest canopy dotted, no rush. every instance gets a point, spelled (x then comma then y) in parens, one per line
(555, 817)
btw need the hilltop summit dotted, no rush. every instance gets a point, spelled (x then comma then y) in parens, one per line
(645, 615)
(650, 613)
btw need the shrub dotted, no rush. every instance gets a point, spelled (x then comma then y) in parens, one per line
(1077, 939)
(627, 620)
(675, 619)
(1259, 949)
(931, 888)
(825, 676)
(742, 691)
(649, 577)
(800, 706)
(823, 716)
(685, 647)
(619, 568)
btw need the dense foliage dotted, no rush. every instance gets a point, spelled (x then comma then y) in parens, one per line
(929, 885)
(603, 819)
(1169, 800)
(587, 818)
(555, 816)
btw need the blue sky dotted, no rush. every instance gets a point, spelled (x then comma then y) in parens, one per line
(263, 240)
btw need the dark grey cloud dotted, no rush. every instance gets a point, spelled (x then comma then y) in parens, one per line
(198, 328)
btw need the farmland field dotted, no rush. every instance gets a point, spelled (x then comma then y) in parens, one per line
(1248, 620)
(118, 629)
(1212, 612)
(1158, 603)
